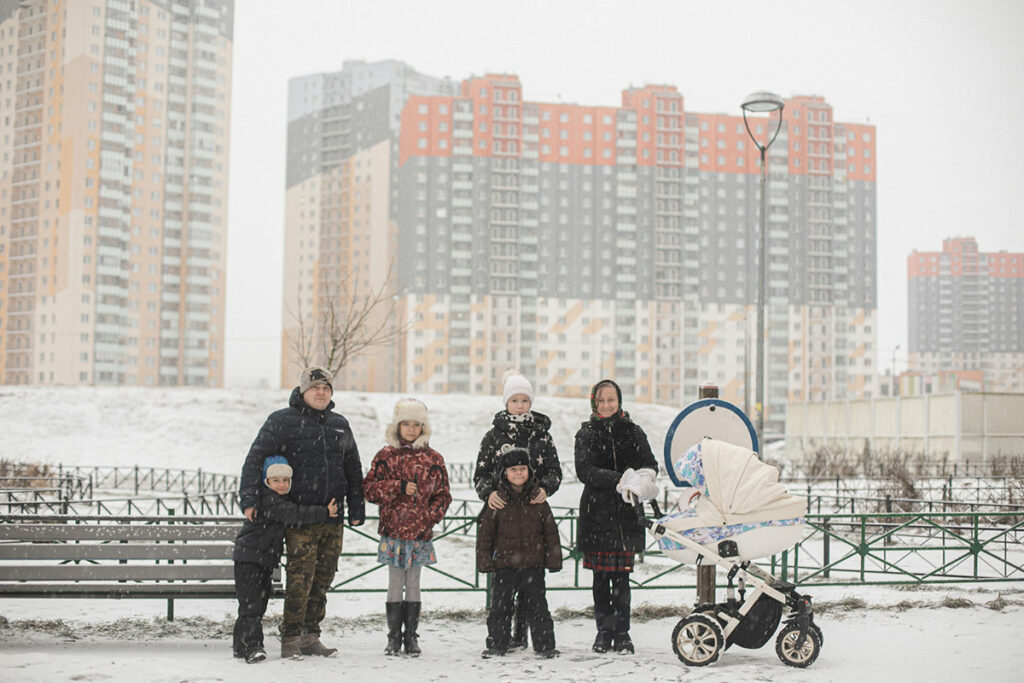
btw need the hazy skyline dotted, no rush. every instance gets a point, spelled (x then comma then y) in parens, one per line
(936, 78)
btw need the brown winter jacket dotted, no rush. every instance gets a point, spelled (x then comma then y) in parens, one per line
(403, 517)
(519, 535)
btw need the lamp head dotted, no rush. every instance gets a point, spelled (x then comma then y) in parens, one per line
(762, 101)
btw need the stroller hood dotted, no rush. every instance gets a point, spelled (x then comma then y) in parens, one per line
(736, 486)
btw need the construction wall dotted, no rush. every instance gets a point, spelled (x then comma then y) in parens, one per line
(956, 426)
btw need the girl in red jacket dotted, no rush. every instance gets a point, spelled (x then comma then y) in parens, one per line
(409, 481)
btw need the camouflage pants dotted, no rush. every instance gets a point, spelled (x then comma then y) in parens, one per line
(312, 561)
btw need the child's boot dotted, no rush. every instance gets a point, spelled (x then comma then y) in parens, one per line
(519, 631)
(396, 617)
(412, 622)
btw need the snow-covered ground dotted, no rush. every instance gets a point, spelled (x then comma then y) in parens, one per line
(870, 634)
(951, 633)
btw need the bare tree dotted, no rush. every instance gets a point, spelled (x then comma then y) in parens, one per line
(346, 322)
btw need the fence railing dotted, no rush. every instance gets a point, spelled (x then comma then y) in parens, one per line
(898, 548)
(839, 549)
(211, 503)
(153, 479)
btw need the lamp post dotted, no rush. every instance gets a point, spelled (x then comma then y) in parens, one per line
(762, 102)
(895, 383)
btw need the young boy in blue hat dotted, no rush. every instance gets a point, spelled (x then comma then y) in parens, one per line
(257, 553)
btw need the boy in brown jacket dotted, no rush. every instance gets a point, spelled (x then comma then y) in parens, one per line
(518, 542)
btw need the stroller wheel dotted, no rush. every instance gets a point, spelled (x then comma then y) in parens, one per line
(698, 640)
(790, 654)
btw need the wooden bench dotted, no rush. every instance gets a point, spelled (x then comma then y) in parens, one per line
(119, 557)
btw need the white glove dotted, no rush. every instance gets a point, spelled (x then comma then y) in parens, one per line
(638, 484)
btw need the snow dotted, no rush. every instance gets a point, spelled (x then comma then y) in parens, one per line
(132, 425)
(883, 640)
(936, 633)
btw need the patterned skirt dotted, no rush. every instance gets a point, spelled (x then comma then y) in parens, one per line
(608, 561)
(405, 554)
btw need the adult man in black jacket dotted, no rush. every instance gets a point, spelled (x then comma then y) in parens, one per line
(325, 462)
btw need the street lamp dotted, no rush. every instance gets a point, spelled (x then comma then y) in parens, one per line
(895, 383)
(762, 102)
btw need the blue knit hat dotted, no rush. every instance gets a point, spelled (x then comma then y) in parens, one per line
(276, 466)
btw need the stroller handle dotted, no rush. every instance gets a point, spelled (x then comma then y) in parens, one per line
(639, 508)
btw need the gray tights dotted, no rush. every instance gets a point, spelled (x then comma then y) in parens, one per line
(409, 579)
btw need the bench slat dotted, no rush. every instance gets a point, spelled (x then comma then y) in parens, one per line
(118, 532)
(125, 590)
(115, 551)
(118, 572)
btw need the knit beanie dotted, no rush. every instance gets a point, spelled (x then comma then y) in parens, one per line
(515, 384)
(276, 466)
(315, 375)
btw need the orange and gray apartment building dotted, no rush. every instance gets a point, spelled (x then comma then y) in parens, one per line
(581, 242)
(113, 190)
(965, 313)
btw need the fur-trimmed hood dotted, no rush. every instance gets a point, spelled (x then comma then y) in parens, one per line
(408, 409)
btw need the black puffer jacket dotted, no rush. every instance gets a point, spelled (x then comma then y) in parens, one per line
(605, 448)
(322, 452)
(529, 431)
(262, 541)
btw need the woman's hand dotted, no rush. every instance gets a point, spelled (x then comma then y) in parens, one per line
(541, 496)
(495, 501)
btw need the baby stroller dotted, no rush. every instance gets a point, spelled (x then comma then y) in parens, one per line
(739, 512)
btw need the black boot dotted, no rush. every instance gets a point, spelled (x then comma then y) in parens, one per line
(519, 629)
(412, 622)
(605, 621)
(621, 642)
(396, 617)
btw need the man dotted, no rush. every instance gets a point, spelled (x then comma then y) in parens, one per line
(319, 445)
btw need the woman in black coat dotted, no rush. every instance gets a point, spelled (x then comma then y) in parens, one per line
(610, 534)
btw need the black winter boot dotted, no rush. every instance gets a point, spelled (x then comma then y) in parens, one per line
(519, 630)
(605, 620)
(396, 618)
(621, 642)
(412, 622)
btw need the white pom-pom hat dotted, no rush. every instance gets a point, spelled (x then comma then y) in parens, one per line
(515, 384)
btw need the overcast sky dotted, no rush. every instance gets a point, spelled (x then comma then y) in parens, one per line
(937, 78)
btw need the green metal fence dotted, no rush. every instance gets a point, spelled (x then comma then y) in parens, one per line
(839, 549)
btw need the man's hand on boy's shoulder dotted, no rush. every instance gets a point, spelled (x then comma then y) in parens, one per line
(250, 514)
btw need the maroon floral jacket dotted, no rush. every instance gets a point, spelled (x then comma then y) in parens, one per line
(405, 517)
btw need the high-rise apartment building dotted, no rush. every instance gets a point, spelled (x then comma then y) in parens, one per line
(113, 190)
(580, 242)
(339, 226)
(965, 312)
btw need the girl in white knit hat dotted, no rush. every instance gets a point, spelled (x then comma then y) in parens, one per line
(409, 481)
(517, 426)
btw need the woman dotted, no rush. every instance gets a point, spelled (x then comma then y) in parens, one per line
(610, 534)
